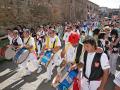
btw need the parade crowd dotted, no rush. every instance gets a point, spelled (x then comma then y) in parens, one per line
(84, 53)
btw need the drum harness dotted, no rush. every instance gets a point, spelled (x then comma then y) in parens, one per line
(29, 52)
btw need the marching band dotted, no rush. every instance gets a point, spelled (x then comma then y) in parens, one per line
(85, 54)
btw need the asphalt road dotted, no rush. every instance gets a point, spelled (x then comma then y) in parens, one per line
(10, 80)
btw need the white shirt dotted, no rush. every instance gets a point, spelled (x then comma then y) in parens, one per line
(10, 39)
(104, 62)
(52, 40)
(70, 54)
(19, 41)
(66, 36)
(30, 42)
(91, 33)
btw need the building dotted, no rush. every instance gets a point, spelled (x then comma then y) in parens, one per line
(107, 12)
(35, 12)
(93, 9)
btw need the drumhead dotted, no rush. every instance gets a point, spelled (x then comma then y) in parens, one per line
(9, 53)
(23, 56)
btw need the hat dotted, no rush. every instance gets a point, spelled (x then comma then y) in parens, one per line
(106, 28)
(74, 38)
(15, 31)
(26, 30)
(38, 33)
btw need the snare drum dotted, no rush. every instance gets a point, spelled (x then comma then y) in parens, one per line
(46, 58)
(21, 55)
(66, 77)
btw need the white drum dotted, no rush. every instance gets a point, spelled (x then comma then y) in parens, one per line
(10, 53)
(32, 65)
(21, 55)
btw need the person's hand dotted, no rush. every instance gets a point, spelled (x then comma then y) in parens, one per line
(73, 67)
(100, 88)
(63, 63)
(8, 46)
(99, 50)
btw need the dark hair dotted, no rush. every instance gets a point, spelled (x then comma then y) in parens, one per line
(83, 32)
(114, 32)
(96, 31)
(101, 35)
(90, 40)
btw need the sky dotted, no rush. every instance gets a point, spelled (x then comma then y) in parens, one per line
(107, 3)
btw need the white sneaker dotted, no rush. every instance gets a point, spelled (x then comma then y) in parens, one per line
(47, 80)
(28, 73)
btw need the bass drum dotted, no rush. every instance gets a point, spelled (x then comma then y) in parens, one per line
(32, 65)
(7, 52)
(21, 55)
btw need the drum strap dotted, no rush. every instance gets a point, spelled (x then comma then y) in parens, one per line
(14, 42)
(27, 40)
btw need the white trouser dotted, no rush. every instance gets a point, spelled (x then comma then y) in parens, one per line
(56, 61)
(50, 68)
(92, 85)
(113, 60)
(38, 48)
(117, 78)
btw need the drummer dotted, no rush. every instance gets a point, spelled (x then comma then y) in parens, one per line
(16, 41)
(10, 35)
(69, 52)
(52, 43)
(29, 43)
(70, 49)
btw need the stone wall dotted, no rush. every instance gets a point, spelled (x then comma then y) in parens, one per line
(35, 12)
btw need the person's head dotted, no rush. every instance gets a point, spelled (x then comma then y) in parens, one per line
(83, 33)
(74, 38)
(89, 44)
(26, 33)
(114, 33)
(9, 31)
(96, 31)
(101, 35)
(107, 29)
(15, 33)
(69, 28)
(51, 32)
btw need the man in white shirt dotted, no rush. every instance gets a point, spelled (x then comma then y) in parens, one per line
(53, 44)
(16, 41)
(67, 34)
(29, 43)
(95, 67)
(10, 35)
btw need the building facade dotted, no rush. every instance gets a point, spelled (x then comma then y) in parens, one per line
(34, 12)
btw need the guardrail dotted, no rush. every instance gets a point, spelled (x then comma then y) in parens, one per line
(3, 37)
